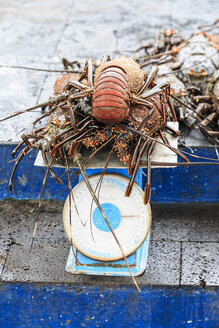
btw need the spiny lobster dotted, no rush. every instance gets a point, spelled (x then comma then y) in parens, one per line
(127, 108)
(191, 64)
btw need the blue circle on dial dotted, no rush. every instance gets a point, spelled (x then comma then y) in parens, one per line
(112, 213)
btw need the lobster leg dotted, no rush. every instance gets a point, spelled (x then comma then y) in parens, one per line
(33, 135)
(71, 128)
(29, 147)
(16, 148)
(81, 94)
(44, 115)
(141, 101)
(166, 86)
(147, 190)
(105, 59)
(140, 128)
(145, 119)
(84, 73)
(72, 115)
(132, 180)
(25, 139)
(150, 78)
(154, 92)
(86, 124)
(164, 107)
(174, 132)
(133, 160)
(166, 142)
(96, 151)
(164, 138)
(77, 137)
(160, 90)
(172, 110)
(49, 168)
(20, 156)
(77, 85)
(72, 149)
(90, 73)
(57, 146)
(62, 134)
(39, 204)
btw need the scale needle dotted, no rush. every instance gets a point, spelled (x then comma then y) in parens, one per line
(130, 216)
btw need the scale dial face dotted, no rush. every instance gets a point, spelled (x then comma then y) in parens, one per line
(128, 216)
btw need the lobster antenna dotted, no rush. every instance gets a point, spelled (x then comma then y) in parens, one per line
(49, 102)
(104, 215)
(39, 205)
(39, 69)
(70, 196)
(98, 187)
(153, 163)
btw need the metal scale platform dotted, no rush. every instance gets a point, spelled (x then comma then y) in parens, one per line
(94, 250)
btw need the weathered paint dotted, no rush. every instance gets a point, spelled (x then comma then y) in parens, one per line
(82, 264)
(28, 178)
(169, 185)
(34, 305)
(187, 184)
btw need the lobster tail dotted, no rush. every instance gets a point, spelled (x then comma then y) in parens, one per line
(111, 96)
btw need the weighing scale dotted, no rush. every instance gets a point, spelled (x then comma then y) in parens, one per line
(94, 250)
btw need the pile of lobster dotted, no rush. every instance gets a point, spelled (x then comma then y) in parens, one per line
(192, 67)
(115, 105)
(123, 105)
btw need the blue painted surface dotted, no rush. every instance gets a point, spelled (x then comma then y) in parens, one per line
(187, 184)
(82, 264)
(122, 171)
(29, 305)
(180, 184)
(28, 178)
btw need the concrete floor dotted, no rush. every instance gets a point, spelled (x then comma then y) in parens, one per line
(184, 249)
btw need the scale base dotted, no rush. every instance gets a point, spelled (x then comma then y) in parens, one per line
(84, 265)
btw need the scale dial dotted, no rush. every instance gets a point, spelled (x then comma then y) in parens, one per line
(128, 216)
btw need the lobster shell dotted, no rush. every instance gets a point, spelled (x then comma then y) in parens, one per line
(63, 80)
(113, 83)
(110, 98)
(155, 117)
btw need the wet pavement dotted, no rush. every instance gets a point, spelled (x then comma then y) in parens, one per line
(183, 248)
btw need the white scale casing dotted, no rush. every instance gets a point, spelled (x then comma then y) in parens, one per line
(128, 216)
